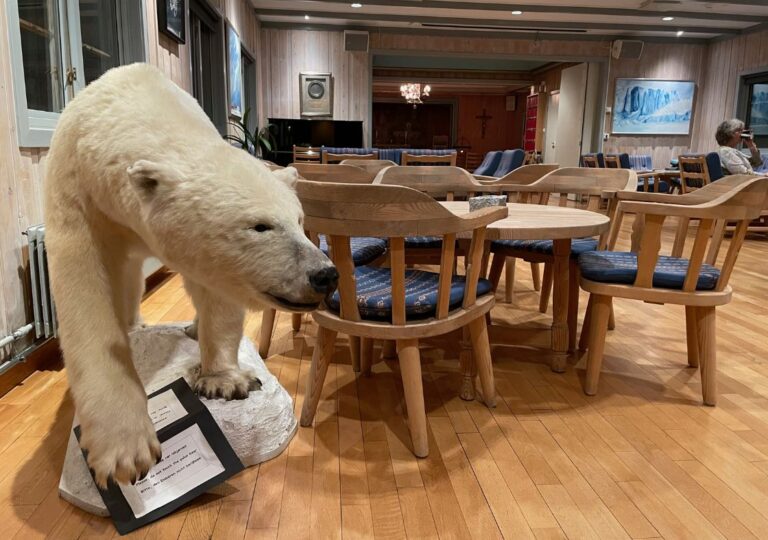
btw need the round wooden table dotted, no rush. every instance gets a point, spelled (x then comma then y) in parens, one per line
(540, 222)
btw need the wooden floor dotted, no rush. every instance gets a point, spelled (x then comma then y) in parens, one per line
(643, 459)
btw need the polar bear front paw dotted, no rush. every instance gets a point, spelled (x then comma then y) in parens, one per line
(124, 450)
(229, 384)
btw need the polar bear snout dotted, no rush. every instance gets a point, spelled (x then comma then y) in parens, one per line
(325, 280)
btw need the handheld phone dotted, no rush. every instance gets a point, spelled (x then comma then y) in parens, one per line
(747, 134)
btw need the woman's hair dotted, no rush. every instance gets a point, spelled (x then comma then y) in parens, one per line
(726, 130)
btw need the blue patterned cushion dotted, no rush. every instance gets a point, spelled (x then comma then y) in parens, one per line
(374, 293)
(365, 249)
(578, 245)
(423, 242)
(621, 267)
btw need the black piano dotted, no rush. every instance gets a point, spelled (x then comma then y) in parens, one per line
(333, 133)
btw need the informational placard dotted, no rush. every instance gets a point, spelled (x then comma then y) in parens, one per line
(196, 457)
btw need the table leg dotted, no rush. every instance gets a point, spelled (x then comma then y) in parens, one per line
(468, 369)
(562, 253)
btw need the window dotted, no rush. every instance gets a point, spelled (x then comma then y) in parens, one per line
(753, 106)
(249, 89)
(207, 49)
(59, 46)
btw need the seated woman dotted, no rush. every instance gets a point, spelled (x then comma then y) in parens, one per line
(728, 136)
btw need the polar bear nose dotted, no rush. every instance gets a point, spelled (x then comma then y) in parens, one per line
(325, 280)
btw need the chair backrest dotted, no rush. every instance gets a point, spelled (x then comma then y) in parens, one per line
(530, 157)
(323, 172)
(616, 161)
(693, 172)
(592, 184)
(714, 166)
(328, 157)
(341, 211)
(743, 201)
(527, 174)
(591, 161)
(510, 160)
(474, 161)
(306, 154)
(407, 158)
(490, 164)
(371, 165)
(438, 182)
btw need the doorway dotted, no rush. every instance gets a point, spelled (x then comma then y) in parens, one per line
(207, 53)
(550, 131)
(570, 126)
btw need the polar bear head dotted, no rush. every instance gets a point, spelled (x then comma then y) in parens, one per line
(232, 225)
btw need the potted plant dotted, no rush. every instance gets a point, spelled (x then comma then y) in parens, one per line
(254, 142)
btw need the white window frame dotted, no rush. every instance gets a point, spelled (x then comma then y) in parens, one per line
(35, 128)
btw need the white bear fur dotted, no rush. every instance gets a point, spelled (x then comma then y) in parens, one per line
(136, 169)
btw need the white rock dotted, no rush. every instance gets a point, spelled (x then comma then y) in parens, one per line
(258, 428)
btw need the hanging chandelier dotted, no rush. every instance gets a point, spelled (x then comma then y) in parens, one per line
(412, 93)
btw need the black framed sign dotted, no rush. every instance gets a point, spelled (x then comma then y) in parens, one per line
(171, 17)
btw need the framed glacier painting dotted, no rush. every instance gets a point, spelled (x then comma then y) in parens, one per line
(653, 107)
(234, 73)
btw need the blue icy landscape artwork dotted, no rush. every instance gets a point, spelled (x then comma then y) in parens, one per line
(758, 118)
(235, 74)
(651, 107)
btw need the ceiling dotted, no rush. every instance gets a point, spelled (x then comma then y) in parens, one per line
(558, 19)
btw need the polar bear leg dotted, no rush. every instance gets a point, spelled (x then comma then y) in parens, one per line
(132, 288)
(87, 275)
(219, 331)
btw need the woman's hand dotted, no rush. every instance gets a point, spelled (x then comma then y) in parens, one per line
(750, 143)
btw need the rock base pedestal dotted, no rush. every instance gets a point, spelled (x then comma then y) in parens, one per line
(258, 428)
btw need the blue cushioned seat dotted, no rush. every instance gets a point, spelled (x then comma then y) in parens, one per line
(364, 249)
(578, 245)
(624, 162)
(621, 267)
(510, 160)
(374, 293)
(423, 242)
(489, 164)
(663, 186)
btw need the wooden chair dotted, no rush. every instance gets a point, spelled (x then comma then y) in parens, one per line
(384, 303)
(442, 183)
(372, 166)
(410, 159)
(612, 161)
(590, 161)
(474, 160)
(530, 158)
(306, 154)
(347, 174)
(695, 282)
(525, 175)
(338, 158)
(592, 184)
(694, 173)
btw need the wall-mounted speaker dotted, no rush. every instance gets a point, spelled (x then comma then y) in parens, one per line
(627, 49)
(355, 41)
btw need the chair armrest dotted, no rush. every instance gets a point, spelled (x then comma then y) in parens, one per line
(484, 216)
(643, 196)
(485, 179)
(709, 210)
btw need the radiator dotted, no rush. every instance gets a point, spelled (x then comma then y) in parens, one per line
(43, 307)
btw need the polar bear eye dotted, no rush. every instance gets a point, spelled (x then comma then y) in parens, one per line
(261, 227)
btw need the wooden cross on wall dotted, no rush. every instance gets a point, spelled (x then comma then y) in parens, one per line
(484, 118)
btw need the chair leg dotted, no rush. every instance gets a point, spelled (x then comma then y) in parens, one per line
(296, 321)
(692, 336)
(321, 357)
(546, 287)
(354, 352)
(366, 355)
(509, 281)
(706, 333)
(388, 350)
(611, 320)
(481, 350)
(573, 304)
(497, 265)
(598, 327)
(536, 275)
(265, 333)
(413, 388)
(584, 338)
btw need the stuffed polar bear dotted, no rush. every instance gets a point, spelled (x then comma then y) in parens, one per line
(136, 169)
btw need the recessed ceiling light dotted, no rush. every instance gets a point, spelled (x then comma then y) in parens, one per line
(517, 12)
(680, 33)
(667, 18)
(357, 5)
(306, 17)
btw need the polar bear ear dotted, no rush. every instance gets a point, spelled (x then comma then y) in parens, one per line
(289, 175)
(150, 178)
